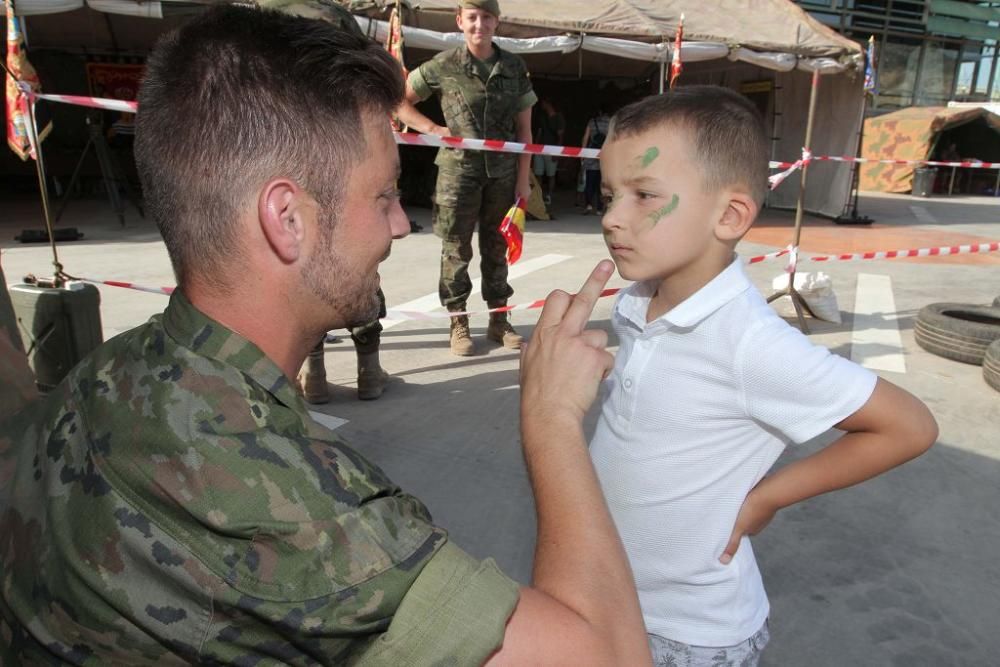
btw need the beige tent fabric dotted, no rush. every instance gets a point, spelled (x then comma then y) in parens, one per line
(761, 25)
(908, 134)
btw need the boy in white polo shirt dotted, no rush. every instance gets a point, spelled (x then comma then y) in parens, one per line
(710, 385)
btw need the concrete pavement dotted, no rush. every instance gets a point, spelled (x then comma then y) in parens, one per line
(898, 571)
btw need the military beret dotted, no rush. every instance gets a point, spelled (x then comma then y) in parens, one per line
(491, 6)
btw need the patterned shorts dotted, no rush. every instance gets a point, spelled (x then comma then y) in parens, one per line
(668, 653)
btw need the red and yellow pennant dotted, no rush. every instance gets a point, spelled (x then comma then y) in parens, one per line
(512, 230)
(18, 104)
(675, 64)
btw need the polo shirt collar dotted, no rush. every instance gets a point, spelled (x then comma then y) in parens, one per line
(723, 288)
(191, 328)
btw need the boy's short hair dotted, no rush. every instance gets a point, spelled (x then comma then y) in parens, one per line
(730, 142)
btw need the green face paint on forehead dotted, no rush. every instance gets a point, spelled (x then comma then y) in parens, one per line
(651, 154)
(664, 211)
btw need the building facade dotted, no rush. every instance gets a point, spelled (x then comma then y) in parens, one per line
(930, 52)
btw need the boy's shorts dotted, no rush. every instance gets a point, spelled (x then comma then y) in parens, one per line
(668, 653)
(544, 165)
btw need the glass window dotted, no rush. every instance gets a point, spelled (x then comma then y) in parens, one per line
(897, 73)
(938, 74)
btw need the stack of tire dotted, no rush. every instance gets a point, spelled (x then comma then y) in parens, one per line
(963, 332)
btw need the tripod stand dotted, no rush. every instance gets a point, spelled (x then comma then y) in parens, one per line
(109, 173)
(790, 291)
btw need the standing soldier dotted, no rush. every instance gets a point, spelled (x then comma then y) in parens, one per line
(485, 94)
(366, 337)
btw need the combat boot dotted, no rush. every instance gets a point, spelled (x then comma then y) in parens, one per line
(372, 379)
(313, 379)
(461, 339)
(501, 331)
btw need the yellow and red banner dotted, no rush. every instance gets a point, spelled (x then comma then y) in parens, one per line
(512, 230)
(18, 104)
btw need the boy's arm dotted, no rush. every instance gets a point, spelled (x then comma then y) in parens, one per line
(892, 427)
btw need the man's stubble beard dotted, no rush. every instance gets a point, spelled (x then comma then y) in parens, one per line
(352, 299)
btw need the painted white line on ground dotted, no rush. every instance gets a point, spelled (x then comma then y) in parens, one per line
(328, 421)
(923, 215)
(431, 302)
(875, 341)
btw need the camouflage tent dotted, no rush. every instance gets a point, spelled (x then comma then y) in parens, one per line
(909, 134)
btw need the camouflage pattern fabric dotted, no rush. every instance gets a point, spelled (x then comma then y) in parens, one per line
(323, 10)
(474, 187)
(172, 502)
(465, 197)
(474, 108)
(366, 337)
(17, 381)
(907, 134)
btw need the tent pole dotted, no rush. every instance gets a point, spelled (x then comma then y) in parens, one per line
(40, 168)
(850, 216)
(663, 74)
(797, 301)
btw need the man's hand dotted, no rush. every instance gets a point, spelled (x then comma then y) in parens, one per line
(563, 364)
(440, 130)
(754, 516)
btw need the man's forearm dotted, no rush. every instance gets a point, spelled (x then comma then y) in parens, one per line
(579, 558)
(411, 117)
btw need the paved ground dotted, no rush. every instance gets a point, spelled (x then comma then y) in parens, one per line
(899, 571)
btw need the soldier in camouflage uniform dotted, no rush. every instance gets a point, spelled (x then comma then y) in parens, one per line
(485, 94)
(171, 501)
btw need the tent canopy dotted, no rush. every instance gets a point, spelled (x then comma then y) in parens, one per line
(911, 134)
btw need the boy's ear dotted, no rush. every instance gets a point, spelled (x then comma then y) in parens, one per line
(736, 219)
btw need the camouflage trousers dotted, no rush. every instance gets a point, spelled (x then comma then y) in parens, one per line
(668, 653)
(366, 336)
(464, 199)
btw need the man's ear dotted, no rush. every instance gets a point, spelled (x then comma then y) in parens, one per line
(281, 206)
(736, 219)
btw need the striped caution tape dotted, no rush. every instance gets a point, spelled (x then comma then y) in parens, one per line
(415, 139)
(404, 315)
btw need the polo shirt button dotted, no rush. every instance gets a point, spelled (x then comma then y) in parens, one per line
(628, 384)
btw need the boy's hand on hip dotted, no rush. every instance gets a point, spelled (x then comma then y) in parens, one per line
(564, 363)
(754, 516)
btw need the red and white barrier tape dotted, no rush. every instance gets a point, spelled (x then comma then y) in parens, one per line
(404, 315)
(778, 179)
(415, 139)
(93, 102)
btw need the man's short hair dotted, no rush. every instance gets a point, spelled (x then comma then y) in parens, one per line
(731, 145)
(241, 95)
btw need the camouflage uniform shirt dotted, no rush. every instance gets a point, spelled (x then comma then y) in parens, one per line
(172, 502)
(477, 104)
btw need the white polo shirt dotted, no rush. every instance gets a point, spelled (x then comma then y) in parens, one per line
(700, 404)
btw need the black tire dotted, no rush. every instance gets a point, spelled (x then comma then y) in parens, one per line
(991, 365)
(957, 331)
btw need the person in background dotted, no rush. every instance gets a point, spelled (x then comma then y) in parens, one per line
(485, 93)
(593, 137)
(551, 132)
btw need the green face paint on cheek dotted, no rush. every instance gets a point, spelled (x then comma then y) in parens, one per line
(661, 213)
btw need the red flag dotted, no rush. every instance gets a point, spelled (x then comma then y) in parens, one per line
(675, 64)
(512, 230)
(18, 104)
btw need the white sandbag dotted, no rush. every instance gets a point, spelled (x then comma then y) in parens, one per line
(815, 288)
